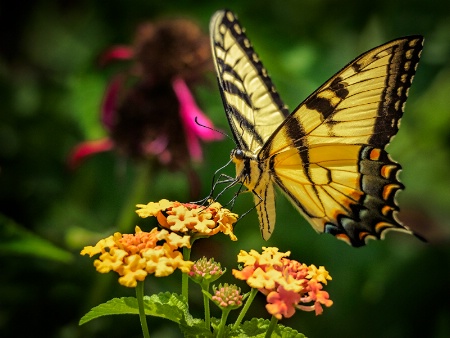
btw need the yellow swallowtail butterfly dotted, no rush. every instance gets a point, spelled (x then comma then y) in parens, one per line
(328, 156)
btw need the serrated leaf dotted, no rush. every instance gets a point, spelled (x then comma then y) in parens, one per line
(288, 332)
(257, 328)
(116, 306)
(196, 330)
(170, 306)
(17, 240)
(164, 305)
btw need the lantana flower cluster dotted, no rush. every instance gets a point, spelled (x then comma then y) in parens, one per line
(206, 270)
(191, 219)
(227, 296)
(288, 284)
(134, 256)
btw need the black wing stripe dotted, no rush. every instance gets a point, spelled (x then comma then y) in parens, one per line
(399, 76)
(248, 93)
(252, 56)
(245, 125)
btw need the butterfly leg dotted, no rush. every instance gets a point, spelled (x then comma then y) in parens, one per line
(256, 196)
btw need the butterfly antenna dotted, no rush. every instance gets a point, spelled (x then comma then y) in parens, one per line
(210, 128)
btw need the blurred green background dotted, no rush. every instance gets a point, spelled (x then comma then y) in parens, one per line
(51, 88)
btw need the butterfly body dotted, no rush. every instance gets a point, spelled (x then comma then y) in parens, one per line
(328, 156)
(257, 178)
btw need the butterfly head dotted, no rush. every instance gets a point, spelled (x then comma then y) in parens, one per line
(246, 166)
(238, 156)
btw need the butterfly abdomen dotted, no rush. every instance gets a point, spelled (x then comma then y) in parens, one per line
(257, 179)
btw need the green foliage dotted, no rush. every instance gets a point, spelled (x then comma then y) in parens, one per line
(164, 305)
(174, 308)
(16, 240)
(114, 306)
(257, 328)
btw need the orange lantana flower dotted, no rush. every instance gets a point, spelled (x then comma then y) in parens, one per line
(287, 284)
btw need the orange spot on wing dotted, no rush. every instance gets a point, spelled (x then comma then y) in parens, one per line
(386, 210)
(356, 195)
(375, 154)
(343, 237)
(388, 190)
(380, 226)
(336, 212)
(363, 235)
(387, 169)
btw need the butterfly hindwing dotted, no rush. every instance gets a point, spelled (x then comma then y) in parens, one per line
(328, 156)
(253, 107)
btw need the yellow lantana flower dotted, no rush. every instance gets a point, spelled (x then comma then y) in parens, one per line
(134, 256)
(191, 219)
(320, 274)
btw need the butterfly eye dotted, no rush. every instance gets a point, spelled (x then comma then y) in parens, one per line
(238, 154)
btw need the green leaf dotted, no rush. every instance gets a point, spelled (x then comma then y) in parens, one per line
(116, 306)
(196, 330)
(170, 306)
(257, 327)
(164, 305)
(15, 239)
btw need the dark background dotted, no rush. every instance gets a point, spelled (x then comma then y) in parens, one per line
(51, 87)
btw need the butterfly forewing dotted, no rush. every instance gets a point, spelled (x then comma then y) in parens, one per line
(253, 106)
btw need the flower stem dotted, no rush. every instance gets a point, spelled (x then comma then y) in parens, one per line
(272, 325)
(223, 322)
(244, 310)
(140, 301)
(206, 306)
(184, 276)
